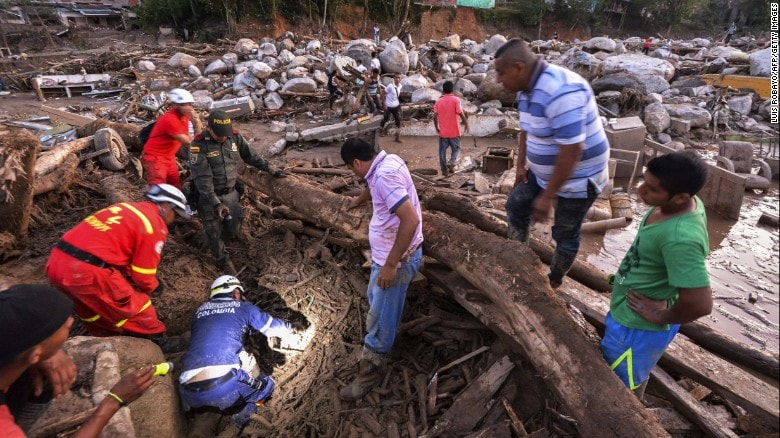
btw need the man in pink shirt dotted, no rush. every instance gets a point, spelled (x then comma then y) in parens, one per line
(395, 236)
(170, 132)
(445, 118)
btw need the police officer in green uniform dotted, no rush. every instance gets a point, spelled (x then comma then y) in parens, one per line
(214, 156)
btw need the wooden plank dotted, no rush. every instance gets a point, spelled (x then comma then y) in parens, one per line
(66, 116)
(688, 359)
(689, 406)
(471, 405)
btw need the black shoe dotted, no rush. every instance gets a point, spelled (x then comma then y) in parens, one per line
(555, 280)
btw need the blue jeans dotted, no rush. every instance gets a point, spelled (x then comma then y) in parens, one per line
(444, 143)
(569, 214)
(238, 394)
(386, 305)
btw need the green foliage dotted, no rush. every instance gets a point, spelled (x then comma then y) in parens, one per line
(667, 13)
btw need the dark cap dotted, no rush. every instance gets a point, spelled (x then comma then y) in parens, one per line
(220, 123)
(29, 314)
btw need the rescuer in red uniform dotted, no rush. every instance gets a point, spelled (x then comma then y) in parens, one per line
(108, 263)
(170, 132)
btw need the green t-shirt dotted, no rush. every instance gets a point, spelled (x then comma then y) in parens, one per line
(665, 256)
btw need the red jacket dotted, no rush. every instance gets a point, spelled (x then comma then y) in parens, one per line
(160, 143)
(127, 235)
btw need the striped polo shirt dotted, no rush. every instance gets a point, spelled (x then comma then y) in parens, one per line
(391, 185)
(560, 110)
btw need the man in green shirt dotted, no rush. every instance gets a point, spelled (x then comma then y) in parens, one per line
(662, 281)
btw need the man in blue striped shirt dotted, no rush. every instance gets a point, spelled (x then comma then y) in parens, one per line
(562, 150)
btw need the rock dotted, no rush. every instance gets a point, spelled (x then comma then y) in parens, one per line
(246, 46)
(663, 138)
(339, 62)
(699, 117)
(464, 87)
(360, 49)
(230, 59)
(425, 95)
(321, 77)
(159, 85)
(741, 104)
(492, 112)
(286, 44)
(653, 83)
(494, 43)
(300, 85)
(716, 65)
(272, 85)
(638, 65)
(291, 136)
(394, 58)
(464, 59)
(216, 67)
(182, 60)
(609, 95)
(297, 72)
(194, 71)
(476, 78)
(412, 83)
(468, 107)
(680, 126)
(202, 102)
(243, 81)
(581, 62)
(201, 83)
(271, 62)
(273, 101)
(727, 52)
(601, 43)
(476, 50)
(285, 57)
(313, 46)
(489, 89)
(701, 42)
(616, 82)
(491, 104)
(261, 70)
(146, 66)
(414, 57)
(480, 68)
(278, 147)
(619, 48)
(656, 118)
(676, 145)
(451, 42)
(653, 98)
(299, 61)
(266, 49)
(761, 62)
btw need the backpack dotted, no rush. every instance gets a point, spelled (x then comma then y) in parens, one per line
(145, 133)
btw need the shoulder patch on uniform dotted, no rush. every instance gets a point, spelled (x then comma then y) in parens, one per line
(233, 146)
(194, 149)
(212, 154)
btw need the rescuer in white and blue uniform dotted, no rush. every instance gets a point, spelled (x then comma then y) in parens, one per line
(217, 371)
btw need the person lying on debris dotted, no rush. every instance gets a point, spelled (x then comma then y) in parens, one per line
(662, 281)
(35, 321)
(563, 144)
(170, 132)
(214, 157)
(108, 263)
(217, 371)
(395, 237)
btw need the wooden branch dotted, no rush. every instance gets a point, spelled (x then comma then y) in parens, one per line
(319, 171)
(463, 359)
(516, 424)
(54, 428)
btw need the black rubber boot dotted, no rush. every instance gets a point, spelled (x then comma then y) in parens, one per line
(561, 263)
(517, 234)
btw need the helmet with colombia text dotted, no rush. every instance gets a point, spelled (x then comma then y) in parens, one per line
(225, 284)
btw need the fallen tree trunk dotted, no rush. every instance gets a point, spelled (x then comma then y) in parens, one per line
(59, 178)
(464, 210)
(49, 161)
(127, 131)
(18, 152)
(324, 208)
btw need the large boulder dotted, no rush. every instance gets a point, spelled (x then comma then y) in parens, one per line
(285, 56)
(217, 67)
(271, 62)
(639, 65)
(360, 49)
(700, 42)
(313, 46)
(414, 58)
(246, 46)
(616, 82)
(581, 62)
(194, 71)
(490, 46)
(261, 70)
(699, 117)
(656, 118)
(300, 85)
(266, 49)
(463, 87)
(761, 62)
(230, 59)
(489, 89)
(727, 52)
(394, 58)
(272, 85)
(601, 43)
(339, 62)
(451, 42)
(273, 101)
(425, 95)
(297, 72)
(286, 44)
(244, 81)
(653, 83)
(182, 60)
(412, 83)
(464, 59)
(300, 61)
(475, 78)
(741, 104)
(320, 76)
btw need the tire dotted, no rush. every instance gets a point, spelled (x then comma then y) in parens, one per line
(117, 157)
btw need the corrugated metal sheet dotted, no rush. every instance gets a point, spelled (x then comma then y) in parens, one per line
(484, 4)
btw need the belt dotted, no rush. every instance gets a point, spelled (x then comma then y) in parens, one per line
(84, 256)
(205, 385)
(223, 192)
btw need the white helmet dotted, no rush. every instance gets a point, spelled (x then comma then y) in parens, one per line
(178, 95)
(168, 193)
(224, 285)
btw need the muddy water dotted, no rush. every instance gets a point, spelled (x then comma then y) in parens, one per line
(743, 266)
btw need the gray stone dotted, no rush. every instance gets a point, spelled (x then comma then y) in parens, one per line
(489, 89)
(230, 59)
(182, 60)
(414, 58)
(216, 67)
(286, 44)
(663, 138)
(727, 52)
(202, 102)
(451, 42)
(654, 97)
(271, 85)
(653, 83)
(313, 46)
(601, 43)
(425, 95)
(476, 50)
(698, 117)
(492, 112)
(638, 65)
(619, 48)
(291, 136)
(412, 83)
(160, 85)
(476, 78)
(656, 118)
(273, 100)
(321, 77)
(490, 46)
(285, 56)
(266, 49)
(608, 95)
(680, 126)
(245, 46)
(271, 62)
(464, 59)
(700, 42)
(243, 81)
(468, 107)
(277, 126)
(194, 71)
(261, 70)
(300, 61)
(465, 87)
(616, 82)
(300, 85)
(480, 68)
(360, 49)
(741, 104)
(581, 62)
(278, 147)
(394, 58)
(146, 66)
(201, 83)
(676, 145)
(761, 62)
(297, 72)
